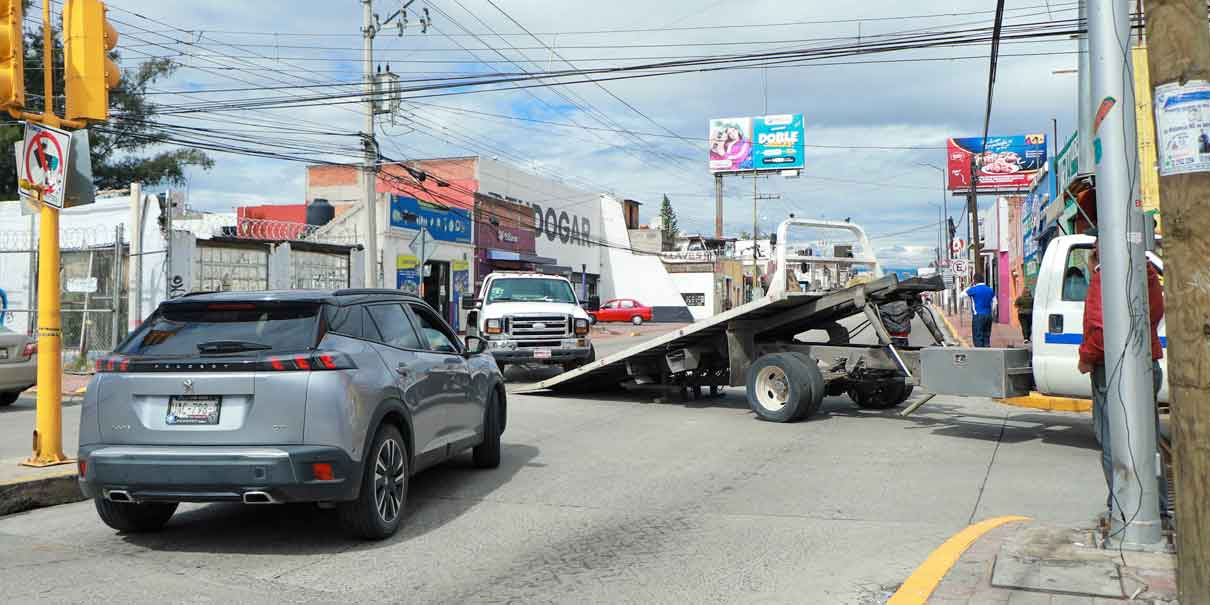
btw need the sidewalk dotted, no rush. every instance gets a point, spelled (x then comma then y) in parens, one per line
(1004, 336)
(23, 487)
(1021, 562)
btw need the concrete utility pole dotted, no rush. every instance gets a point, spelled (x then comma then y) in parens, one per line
(368, 169)
(718, 205)
(1130, 402)
(1178, 48)
(1086, 105)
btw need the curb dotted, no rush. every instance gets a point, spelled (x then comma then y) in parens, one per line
(924, 580)
(949, 326)
(27, 494)
(1051, 403)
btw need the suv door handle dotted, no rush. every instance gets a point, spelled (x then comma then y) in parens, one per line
(402, 369)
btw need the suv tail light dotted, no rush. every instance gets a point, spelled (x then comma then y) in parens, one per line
(112, 363)
(316, 361)
(30, 349)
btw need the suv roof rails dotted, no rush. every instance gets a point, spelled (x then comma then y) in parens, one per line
(362, 291)
(200, 292)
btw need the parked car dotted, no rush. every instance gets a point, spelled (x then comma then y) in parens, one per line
(18, 365)
(335, 397)
(623, 309)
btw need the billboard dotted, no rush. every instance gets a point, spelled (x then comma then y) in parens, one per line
(446, 224)
(773, 142)
(1007, 165)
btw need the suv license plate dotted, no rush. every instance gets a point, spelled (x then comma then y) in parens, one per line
(193, 409)
(541, 353)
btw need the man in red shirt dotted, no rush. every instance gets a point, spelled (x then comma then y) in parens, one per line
(1092, 358)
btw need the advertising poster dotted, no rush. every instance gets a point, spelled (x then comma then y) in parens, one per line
(462, 285)
(445, 224)
(1006, 165)
(774, 142)
(407, 274)
(1182, 119)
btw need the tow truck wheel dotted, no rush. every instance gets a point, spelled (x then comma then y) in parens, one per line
(880, 395)
(781, 388)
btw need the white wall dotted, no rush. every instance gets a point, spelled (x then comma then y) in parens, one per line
(570, 225)
(701, 283)
(627, 275)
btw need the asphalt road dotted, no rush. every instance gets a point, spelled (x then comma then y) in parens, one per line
(608, 500)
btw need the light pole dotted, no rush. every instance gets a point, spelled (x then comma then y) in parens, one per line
(945, 214)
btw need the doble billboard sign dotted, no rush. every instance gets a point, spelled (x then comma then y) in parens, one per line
(1006, 164)
(762, 143)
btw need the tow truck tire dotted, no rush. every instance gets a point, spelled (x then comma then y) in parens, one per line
(819, 388)
(781, 388)
(882, 395)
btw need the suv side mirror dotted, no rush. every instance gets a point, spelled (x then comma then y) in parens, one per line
(474, 345)
(470, 304)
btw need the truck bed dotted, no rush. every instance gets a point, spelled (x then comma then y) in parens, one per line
(775, 317)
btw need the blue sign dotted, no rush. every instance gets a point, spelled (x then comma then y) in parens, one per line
(445, 224)
(775, 142)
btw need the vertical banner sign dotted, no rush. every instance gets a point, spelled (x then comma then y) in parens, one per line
(774, 142)
(1182, 121)
(462, 284)
(44, 163)
(407, 274)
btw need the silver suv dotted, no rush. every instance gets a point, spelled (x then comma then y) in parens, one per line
(334, 397)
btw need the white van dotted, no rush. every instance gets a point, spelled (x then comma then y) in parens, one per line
(1058, 319)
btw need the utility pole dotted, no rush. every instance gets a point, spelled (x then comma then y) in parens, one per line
(972, 207)
(718, 205)
(1178, 45)
(1130, 402)
(1087, 107)
(368, 169)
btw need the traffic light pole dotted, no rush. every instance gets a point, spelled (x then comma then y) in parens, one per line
(48, 425)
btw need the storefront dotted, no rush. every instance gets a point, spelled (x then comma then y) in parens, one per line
(432, 247)
(504, 238)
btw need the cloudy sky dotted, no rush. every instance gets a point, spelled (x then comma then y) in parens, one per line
(620, 134)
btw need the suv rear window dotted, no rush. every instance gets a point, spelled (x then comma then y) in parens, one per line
(178, 330)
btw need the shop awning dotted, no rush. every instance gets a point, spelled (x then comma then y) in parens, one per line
(518, 257)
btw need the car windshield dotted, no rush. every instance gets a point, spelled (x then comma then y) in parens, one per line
(531, 290)
(224, 328)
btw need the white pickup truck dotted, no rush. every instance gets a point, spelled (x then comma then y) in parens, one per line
(531, 318)
(1058, 317)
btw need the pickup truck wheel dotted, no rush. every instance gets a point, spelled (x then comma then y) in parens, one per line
(881, 395)
(781, 388)
(487, 453)
(132, 517)
(575, 363)
(378, 510)
(637, 320)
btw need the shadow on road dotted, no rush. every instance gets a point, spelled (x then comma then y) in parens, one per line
(435, 497)
(956, 421)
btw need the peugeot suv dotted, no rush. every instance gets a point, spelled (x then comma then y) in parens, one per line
(334, 397)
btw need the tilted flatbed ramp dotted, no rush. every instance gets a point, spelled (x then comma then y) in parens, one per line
(776, 317)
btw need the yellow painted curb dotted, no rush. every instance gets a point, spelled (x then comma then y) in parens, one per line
(1039, 401)
(921, 584)
(949, 326)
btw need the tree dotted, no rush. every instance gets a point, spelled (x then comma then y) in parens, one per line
(668, 227)
(116, 161)
(744, 235)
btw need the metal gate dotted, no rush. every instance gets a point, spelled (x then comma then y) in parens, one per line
(92, 271)
(321, 270)
(222, 267)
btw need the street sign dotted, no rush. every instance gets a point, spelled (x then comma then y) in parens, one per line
(960, 266)
(958, 245)
(86, 285)
(423, 245)
(44, 158)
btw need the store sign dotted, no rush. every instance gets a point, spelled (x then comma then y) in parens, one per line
(774, 142)
(694, 299)
(508, 237)
(444, 224)
(1005, 164)
(562, 226)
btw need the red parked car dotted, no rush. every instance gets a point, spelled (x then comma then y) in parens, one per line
(622, 309)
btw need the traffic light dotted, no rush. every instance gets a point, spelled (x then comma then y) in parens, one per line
(12, 55)
(89, 74)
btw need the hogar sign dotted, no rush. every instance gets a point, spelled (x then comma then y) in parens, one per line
(562, 226)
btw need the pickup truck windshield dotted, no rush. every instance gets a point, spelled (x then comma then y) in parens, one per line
(530, 290)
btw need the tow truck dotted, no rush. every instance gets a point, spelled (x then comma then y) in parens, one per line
(789, 348)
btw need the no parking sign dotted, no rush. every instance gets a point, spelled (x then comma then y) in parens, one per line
(43, 163)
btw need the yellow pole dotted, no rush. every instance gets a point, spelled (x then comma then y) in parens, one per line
(48, 426)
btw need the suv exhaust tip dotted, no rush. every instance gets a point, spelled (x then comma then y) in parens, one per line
(258, 498)
(118, 495)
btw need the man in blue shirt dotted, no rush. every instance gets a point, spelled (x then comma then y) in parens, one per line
(981, 326)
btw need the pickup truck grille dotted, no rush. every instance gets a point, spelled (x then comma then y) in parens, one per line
(538, 326)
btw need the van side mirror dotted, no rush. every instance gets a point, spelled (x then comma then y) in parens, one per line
(470, 304)
(474, 345)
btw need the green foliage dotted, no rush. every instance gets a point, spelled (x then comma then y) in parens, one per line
(669, 228)
(124, 149)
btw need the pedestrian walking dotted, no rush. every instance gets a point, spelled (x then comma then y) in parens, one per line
(981, 296)
(1092, 361)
